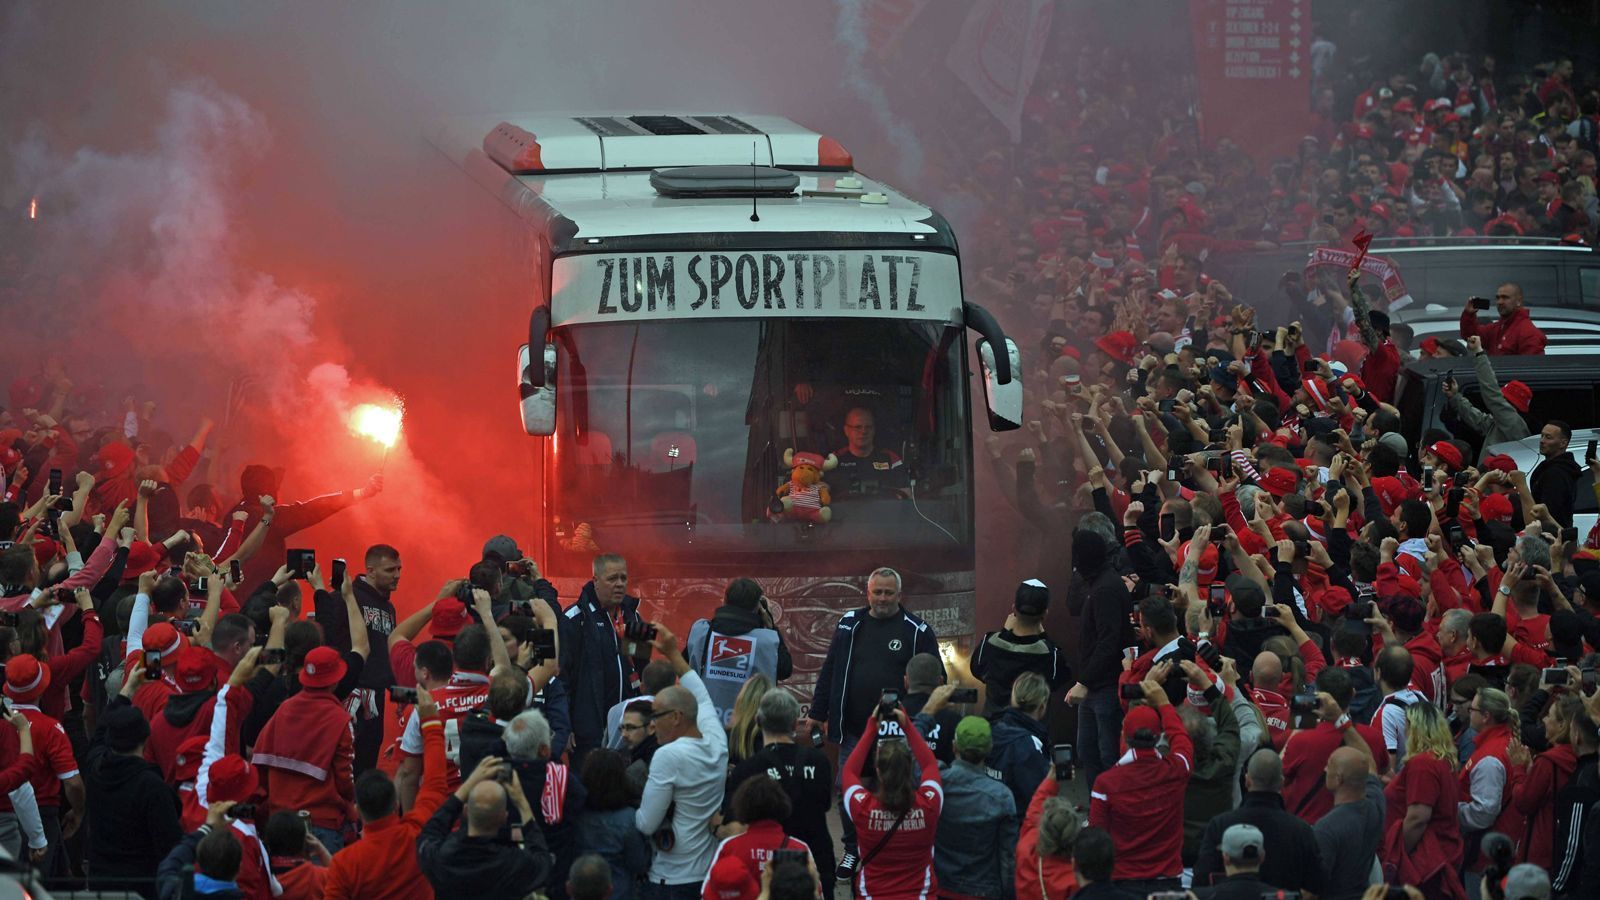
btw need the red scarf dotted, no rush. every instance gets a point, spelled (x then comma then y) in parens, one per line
(303, 734)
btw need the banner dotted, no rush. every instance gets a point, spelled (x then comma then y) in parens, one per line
(894, 284)
(1253, 65)
(997, 54)
(1394, 290)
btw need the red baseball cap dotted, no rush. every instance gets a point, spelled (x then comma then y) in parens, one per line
(1141, 718)
(195, 670)
(230, 778)
(164, 639)
(1447, 453)
(1495, 508)
(1280, 482)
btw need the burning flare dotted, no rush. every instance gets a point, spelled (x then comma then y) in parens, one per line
(380, 423)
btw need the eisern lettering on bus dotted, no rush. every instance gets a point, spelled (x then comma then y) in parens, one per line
(768, 281)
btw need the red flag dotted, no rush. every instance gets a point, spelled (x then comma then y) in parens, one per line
(1362, 242)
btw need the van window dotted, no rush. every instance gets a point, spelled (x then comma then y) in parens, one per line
(1451, 285)
(1589, 285)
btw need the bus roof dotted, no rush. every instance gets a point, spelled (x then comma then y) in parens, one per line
(585, 180)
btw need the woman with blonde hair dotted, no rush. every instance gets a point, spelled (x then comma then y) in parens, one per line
(744, 731)
(1542, 777)
(1422, 840)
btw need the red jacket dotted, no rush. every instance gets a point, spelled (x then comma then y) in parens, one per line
(190, 715)
(302, 879)
(1039, 878)
(1513, 335)
(903, 868)
(383, 864)
(1428, 781)
(1305, 760)
(306, 753)
(108, 492)
(753, 848)
(65, 668)
(1534, 796)
(1492, 743)
(1140, 802)
(53, 759)
(1380, 370)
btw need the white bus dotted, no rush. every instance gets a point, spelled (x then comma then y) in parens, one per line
(706, 293)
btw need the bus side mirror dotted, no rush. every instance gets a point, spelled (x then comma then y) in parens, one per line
(538, 401)
(1004, 401)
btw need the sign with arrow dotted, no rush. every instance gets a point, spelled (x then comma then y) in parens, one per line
(1253, 87)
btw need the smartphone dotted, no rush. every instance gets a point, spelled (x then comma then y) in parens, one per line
(301, 562)
(55, 482)
(175, 572)
(1311, 367)
(1360, 610)
(964, 695)
(1450, 382)
(272, 656)
(1131, 691)
(1590, 453)
(1217, 600)
(1270, 612)
(1480, 303)
(790, 856)
(1302, 549)
(242, 811)
(1219, 533)
(1064, 758)
(186, 626)
(1569, 535)
(543, 641)
(235, 571)
(1304, 702)
(202, 585)
(1217, 435)
(1554, 677)
(1227, 465)
(1452, 502)
(1130, 653)
(888, 703)
(504, 775)
(402, 694)
(338, 574)
(1174, 472)
(152, 664)
(1168, 526)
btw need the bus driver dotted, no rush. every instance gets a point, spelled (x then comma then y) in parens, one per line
(864, 469)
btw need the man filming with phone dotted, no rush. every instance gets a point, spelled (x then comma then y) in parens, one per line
(1514, 335)
(373, 592)
(1504, 408)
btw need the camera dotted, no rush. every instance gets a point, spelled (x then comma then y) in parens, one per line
(888, 703)
(1064, 758)
(964, 695)
(301, 562)
(639, 630)
(242, 811)
(402, 694)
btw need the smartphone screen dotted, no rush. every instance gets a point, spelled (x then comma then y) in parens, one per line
(338, 574)
(55, 481)
(1590, 453)
(1480, 302)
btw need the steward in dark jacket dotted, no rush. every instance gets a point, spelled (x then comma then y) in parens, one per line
(1554, 483)
(1020, 758)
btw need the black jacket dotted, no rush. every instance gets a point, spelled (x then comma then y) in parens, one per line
(1555, 484)
(482, 868)
(735, 621)
(1245, 637)
(828, 698)
(598, 674)
(133, 815)
(1294, 858)
(1577, 862)
(1243, 886)
(379, 614)
(1002, 658)
(1106, 630)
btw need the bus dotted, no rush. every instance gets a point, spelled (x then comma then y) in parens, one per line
(709, 296)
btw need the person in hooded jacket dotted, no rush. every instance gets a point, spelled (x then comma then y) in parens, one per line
(372, 594)
(592, 652)
(257, 481)
(1020, 757)
(742, 627)
(133, 815)
(1105, 631)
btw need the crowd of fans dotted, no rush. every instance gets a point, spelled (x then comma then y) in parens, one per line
(1312, 656)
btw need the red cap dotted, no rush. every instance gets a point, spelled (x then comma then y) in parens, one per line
(1391, 493)
(1549, 178)
(804, 457)
(164, 639)
(1495, 508)
(1447, 453)
(1405, 106)
(1119, 345)
(142, 557)
(1208, 562)
(186, 765)
(1430, 345)
(26, 678)
(1280, 482)
(323, 668)
(1069, 350)
(230, 778)
(1518, 395)
(113, 459)
(195, 670)
(1317, 390)
(730, 879)
(1141, 718)
(1501, 462)
(45, 549)
(449, 617)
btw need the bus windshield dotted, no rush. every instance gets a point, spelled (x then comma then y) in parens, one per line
(671, 439)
